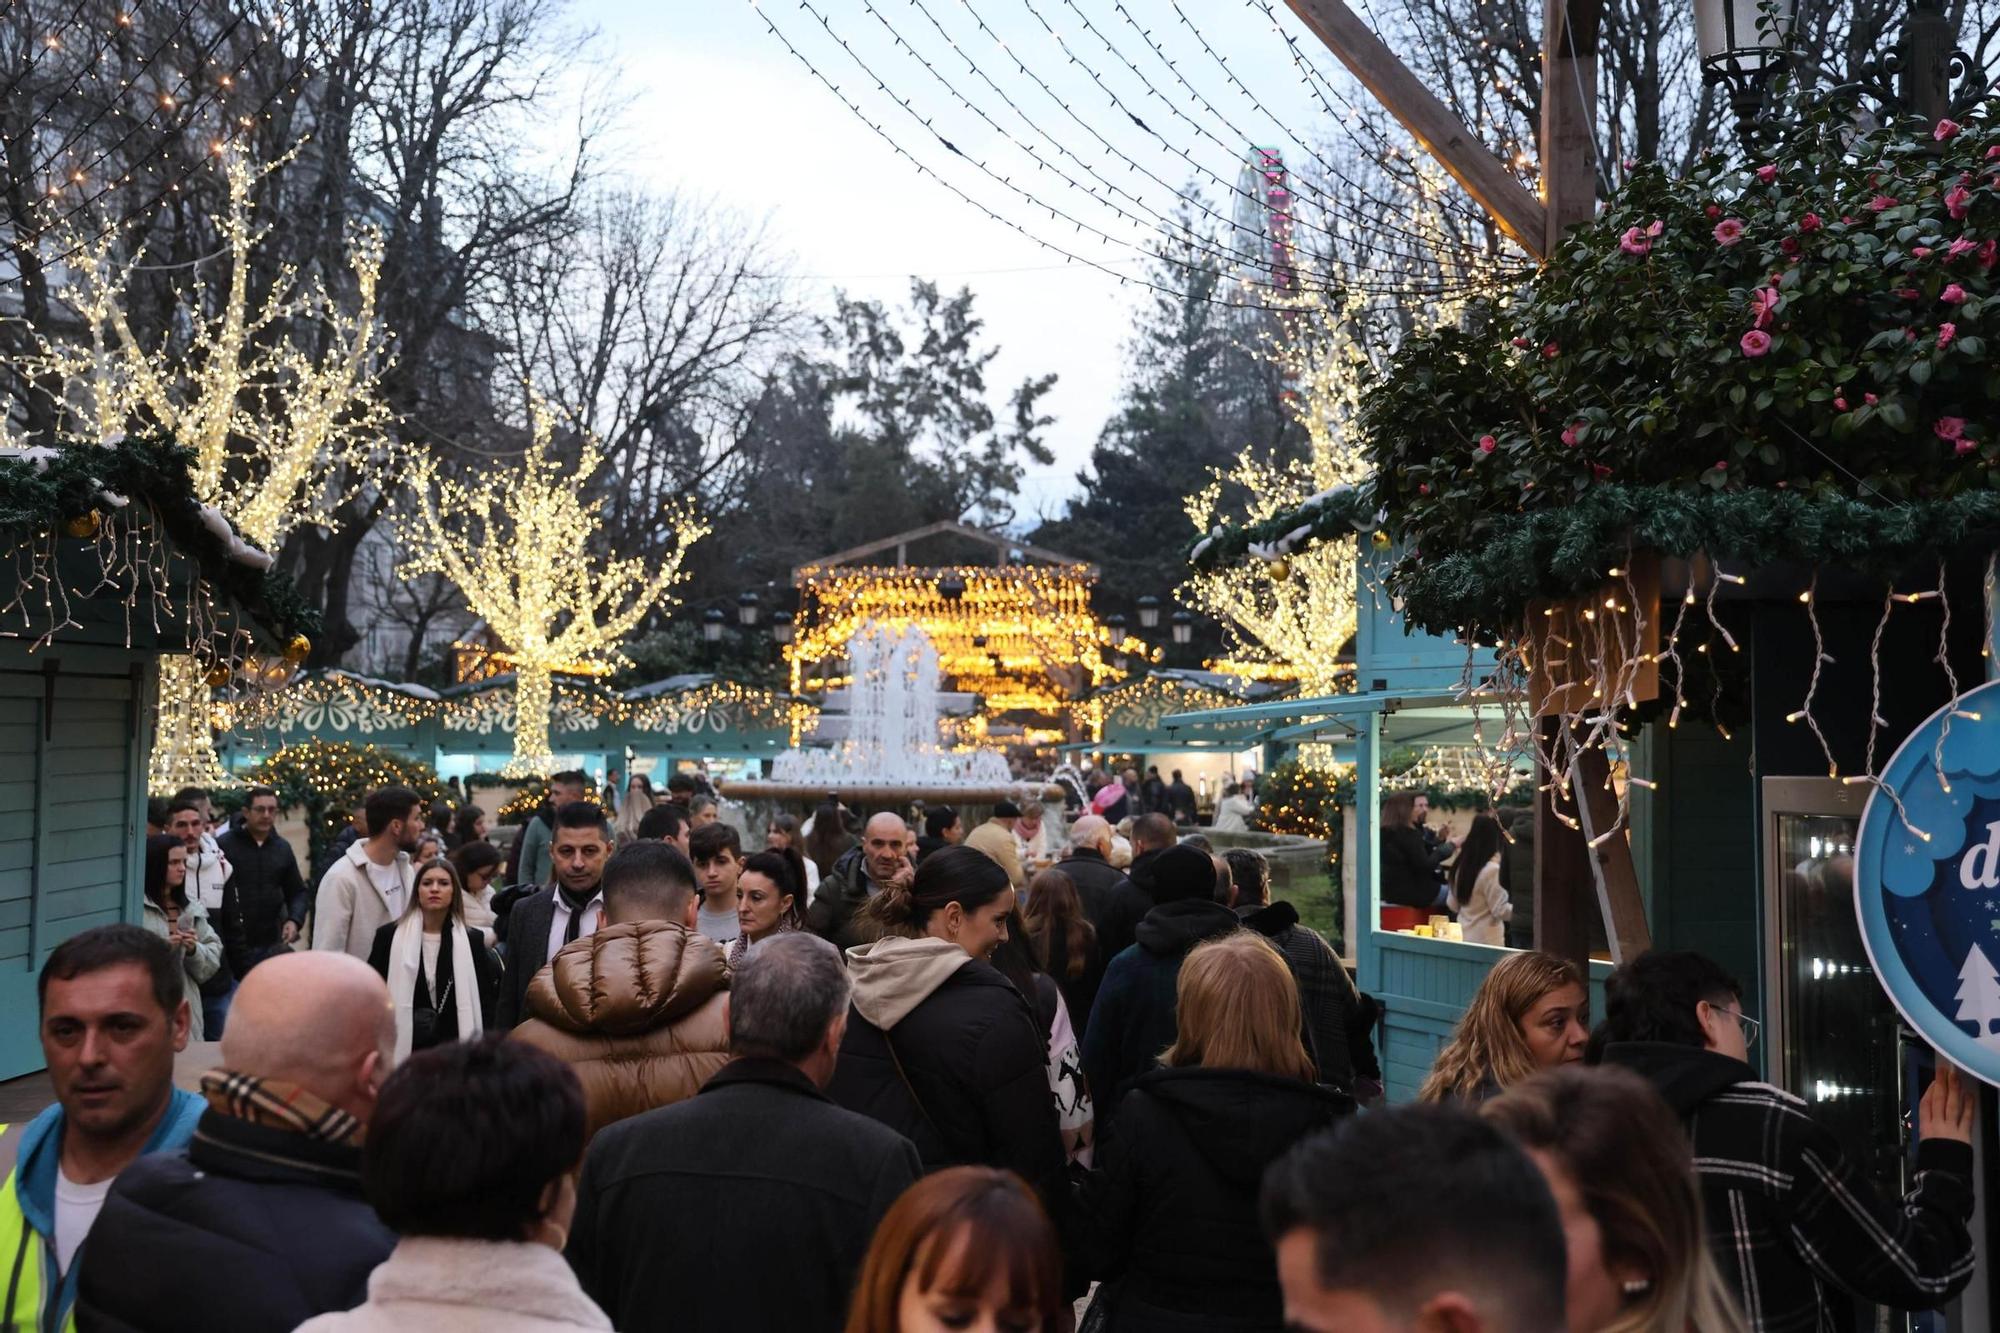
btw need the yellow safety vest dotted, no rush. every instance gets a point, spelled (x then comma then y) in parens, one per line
(23, 1302)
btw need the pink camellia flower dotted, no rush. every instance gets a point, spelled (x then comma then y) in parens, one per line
(1810, 222)
(1423, 488)
(1921, 251)
(1487, 444)
(1635, 242)
(1870, 399)
(1767, 173)
(1952, 294)
(1908, 293)
(1993, 152)
(1523, 343)
(1840, 404)
(1848, 221)
(1958, 201)
(1989, 251)
(1713, 210)
(1789, 245)
(1569, 435)
(1722, 465)
(1945, 129)
(1600, 471)
(1729, 231)
(1551, 351)
(1959, 248)
(1949, 428)
(1880, 202)
(1755, 343)
(1764, 303)
(1946, 332)
(1965, 447)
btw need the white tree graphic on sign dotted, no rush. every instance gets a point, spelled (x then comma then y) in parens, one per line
(1979, 997)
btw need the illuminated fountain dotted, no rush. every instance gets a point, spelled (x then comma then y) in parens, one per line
(891, 750)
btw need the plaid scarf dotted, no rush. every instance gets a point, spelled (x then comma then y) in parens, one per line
(278, 1105)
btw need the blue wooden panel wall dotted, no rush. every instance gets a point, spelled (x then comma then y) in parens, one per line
(72, 812)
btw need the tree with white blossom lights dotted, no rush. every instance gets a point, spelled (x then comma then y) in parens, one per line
(520, 544)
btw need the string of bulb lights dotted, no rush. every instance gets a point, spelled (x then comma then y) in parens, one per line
(1401, 288)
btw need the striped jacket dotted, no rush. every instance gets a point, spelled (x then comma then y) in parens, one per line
(1798, 1230)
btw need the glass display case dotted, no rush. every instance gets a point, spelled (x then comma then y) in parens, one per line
(1833, 1036)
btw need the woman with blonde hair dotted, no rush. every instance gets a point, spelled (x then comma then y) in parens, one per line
(1234, 1093)
(1624, 1181)
(1531, 1013)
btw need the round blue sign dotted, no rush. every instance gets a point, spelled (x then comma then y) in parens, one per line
(1927, 881)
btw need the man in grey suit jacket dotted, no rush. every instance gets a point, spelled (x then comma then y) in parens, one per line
(567, 910)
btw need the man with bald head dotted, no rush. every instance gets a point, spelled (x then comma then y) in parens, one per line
(1112, 902)
(259, 1223)
(885, 859)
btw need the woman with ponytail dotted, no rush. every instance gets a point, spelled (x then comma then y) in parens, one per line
(940, 1046)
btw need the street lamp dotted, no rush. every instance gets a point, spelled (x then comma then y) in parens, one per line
(746, 608)
(1183, 621)
(1114, 625)
(1742, 44)
(1149, 612)
(712, 621)
(781, 626)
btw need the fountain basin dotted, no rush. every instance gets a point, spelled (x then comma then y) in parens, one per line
(887, 793)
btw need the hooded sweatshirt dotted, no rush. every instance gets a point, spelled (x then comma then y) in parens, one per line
(1172, 1216)
(639, 1010)
(1132, 1020)
(941, 1048)
(1797, 1228)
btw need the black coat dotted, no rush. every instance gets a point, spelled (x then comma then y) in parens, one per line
(977, 1061)
(758, 1163)
(1112, 902)
(485, 966)
(1171, 1215)
(1132, 1020)
(249, 1228)
(1409, 871)
(265, 890)
(527, 953)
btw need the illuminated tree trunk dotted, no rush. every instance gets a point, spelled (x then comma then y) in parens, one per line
(534, 695)
(184, 736)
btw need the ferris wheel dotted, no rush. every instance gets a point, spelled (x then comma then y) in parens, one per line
(1264, 219)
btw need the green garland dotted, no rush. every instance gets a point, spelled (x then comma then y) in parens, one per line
(1516, 558)
(1338, 513)
(155, 473)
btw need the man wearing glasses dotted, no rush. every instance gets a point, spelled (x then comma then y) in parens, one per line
(1796, 1228)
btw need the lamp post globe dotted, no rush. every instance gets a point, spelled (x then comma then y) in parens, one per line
(747, 606)
(712, 621)
(1149, 612)
(1183, 622)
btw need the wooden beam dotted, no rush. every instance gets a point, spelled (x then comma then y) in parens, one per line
(1563, 882)
(1615, 878)
(1569, 115)
(1441, 133)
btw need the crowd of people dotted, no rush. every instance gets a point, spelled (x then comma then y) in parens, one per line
(891, 1082)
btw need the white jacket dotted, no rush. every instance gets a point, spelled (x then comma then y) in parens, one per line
(208, 871)
(349, 909)
(435, 1284)
(1483, 918)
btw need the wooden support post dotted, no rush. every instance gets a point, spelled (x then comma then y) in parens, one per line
(1569, 115)
(1613, 875)
(1441, 133)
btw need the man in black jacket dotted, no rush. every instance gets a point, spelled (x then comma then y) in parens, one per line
(259, 1224)
(1132, 1019)
(883, 858)
(1152, 834)
(759, 1163)
(264, 904)
(1336, 1036)
(1112, 902)
(540, 924)
(1797, 1229)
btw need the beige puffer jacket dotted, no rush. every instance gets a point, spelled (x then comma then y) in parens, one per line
(640, 1011)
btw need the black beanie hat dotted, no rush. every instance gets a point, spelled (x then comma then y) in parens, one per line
(1182, 872)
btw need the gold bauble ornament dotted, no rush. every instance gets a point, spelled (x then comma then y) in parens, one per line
(1280, 570)
(1380, 540)
(218, 676)
(85, 524)
(297, 650)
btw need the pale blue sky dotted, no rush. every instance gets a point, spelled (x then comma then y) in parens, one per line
(713, 104)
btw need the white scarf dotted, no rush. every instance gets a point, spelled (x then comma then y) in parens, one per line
(406, 959)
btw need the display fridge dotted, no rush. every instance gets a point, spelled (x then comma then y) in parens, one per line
(1834, 1038)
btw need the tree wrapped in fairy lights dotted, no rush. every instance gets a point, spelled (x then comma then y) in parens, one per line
(523, 544)
(276, 396)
